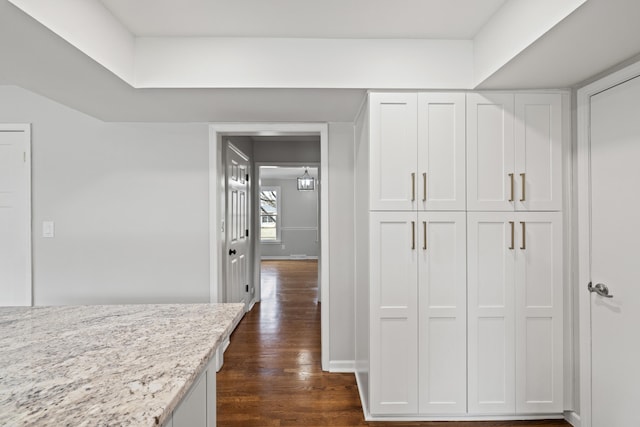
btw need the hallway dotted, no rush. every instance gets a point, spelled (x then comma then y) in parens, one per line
(272, 375)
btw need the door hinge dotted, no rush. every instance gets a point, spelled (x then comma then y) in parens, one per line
(247, 177)
(246, 288)
(246, 232)
(24, 156)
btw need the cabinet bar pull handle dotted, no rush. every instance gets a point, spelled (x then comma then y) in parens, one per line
(424, 231)
(511, 194)
(424, 187)
(524, 235)
(513, 226)
(523, 198)
(413, 235)
(413, 187)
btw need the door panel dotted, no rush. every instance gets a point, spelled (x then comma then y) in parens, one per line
(615, 233)
(15, 216)
(441, 151)
(539, 320)
(538, 136)
(490, 151)
(237, 227)
(491, 334)
(393, 139)
(442, 313)
(394, 313)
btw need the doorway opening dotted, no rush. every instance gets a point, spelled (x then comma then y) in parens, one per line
(286, 148)
(288, 216)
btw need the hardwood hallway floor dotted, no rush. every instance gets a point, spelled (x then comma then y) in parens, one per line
(271, 374)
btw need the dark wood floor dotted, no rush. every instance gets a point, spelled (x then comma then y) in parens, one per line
(271, 374)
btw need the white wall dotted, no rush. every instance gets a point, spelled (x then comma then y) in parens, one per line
(299, 233)
(130, 205)
(302, 63)
(129, 201)
(341, 244)
(287, 151)
(362, 298)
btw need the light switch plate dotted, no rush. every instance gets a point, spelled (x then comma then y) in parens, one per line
(48, 229)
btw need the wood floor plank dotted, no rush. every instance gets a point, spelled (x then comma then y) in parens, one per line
(272, 372)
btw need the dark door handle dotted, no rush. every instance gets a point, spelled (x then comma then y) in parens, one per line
(232, 251)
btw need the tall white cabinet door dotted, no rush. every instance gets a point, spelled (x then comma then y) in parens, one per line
(490, 152)
(538, 138)
(394, 148)
(539, 329)
(441, 151)
(442, 288)
(394, 312)
(491, 311)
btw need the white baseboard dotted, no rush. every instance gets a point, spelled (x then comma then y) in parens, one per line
(289, 258)
(342, 366)
(365, 409)
(369, 417)
(572, 418)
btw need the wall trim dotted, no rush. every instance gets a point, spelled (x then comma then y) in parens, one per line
(583, 164)
(216, 207)
(348, 366)
(287, 258)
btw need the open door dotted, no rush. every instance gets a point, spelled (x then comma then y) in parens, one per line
(238, 252)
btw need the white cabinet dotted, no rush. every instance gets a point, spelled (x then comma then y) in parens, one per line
(441, 152)
(394, 147)
(515, 312)
(418, 312)
(538, 133)
(539, 320)
(459, 254)
(394, 313)
(442, 315)
(417, 159)
(198, 407)
(514, 152)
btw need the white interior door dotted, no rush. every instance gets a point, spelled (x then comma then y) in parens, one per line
(15, 215)
(615, 233)
(237, 251)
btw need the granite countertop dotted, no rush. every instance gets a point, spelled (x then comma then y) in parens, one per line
(104, 365)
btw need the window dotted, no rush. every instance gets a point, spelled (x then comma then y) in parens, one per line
(270, 214)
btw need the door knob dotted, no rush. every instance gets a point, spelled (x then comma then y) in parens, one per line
(232, 251)
(600, 289)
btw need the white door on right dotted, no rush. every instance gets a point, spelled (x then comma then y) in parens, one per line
(615, 235)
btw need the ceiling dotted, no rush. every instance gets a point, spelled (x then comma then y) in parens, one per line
(427, 19)
(594, 37)
(597, 36)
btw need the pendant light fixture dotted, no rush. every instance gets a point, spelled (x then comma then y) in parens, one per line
(306, 181)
